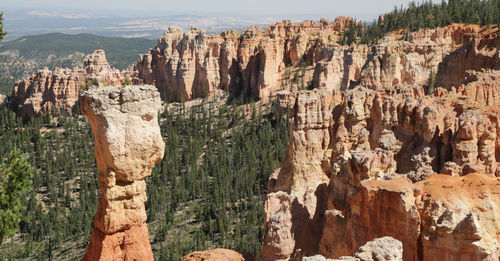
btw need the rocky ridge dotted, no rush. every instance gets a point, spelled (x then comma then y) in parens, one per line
(410, 58)
(128, 143)
(187, 65)
(260, 62)
(58, 89)
(257, 63)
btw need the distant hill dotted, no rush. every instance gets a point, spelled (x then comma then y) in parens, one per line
(21, 57)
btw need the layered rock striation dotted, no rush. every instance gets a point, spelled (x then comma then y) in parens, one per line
(58, 89)
(128, 143)
(477, 52)
(372, 161)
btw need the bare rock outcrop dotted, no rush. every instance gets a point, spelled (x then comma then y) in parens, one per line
(379, 249)
(128, 143)
(409, 58)
(218, 254)
(363, 164)
(477, 52)
(483, 87)
(58, 89)
(258, 63)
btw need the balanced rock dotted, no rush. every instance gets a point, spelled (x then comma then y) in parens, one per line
(128, 143)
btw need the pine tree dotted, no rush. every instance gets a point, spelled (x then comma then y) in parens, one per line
(15, 179)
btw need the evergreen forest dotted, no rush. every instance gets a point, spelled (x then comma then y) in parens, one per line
(424, 14)
(206, 193)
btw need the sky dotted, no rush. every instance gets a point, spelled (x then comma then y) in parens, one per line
(361, 9)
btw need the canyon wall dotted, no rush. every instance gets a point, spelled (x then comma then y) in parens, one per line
(59, 89)
(260, 62)
(478, 52)
(409, 58)
(388, 160)
(187, 65)
(128, 143)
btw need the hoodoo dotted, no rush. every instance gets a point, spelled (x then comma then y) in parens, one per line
(128, 143)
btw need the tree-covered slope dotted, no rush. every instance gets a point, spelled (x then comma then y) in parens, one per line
(207, 192)
(426, 14)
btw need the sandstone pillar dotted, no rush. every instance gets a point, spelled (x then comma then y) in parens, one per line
(128, 143)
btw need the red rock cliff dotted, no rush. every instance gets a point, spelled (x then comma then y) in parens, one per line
(260, 62)
(364, 164)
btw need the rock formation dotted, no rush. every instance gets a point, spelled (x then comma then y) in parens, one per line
(260, 62)
(379, 249)
(363, 164)
(193, 64)
(218, 254)
(389, 160)
(128, 143)
(479, 86)
(477, 52)
(408, 58)
(59, 89)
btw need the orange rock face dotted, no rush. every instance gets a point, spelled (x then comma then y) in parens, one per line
(389, 160)
(478, 51)
(131, 244)
(218, 254)
(128, 143)
(59, 89)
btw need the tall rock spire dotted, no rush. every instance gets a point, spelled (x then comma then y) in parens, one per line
(128, 143)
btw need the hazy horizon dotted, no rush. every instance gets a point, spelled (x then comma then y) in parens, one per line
(149, 18)
(360, 9)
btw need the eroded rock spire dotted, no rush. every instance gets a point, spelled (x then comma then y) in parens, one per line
(128, 143)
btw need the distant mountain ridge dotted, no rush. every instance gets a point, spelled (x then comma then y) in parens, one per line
(21, 57)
